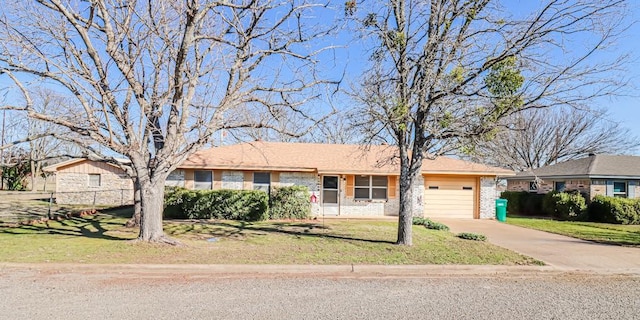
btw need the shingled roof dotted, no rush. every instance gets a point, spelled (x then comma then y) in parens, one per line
(324, 158)
(593, 166)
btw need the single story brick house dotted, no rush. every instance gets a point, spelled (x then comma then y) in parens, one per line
(88, 182)
(597, 174)
(345, 180)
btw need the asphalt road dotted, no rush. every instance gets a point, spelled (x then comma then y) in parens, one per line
(33, 294)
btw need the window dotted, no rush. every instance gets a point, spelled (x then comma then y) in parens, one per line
(202, 180)
(371, 187)
(330, 189)
(620, 189)
(533, 186)
(94, 180)
(559, 186)
(262, 181)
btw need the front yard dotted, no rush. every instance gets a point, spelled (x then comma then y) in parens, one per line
(625, 235)
(103, 239)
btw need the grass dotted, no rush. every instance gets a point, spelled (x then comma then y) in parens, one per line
(103, 239)
(624, 235)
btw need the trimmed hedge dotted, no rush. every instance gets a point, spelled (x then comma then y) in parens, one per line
(248, 205)
(614, 210)
(290, 203)
(564, 205)
(523, 203)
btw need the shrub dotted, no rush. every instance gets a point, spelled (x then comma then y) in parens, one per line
(523, 203)
(429, 224)
(435, 225)
(472, 236)
(248, 205)
(419, 221)
(290, 203)
(614, 210)
(564, 205)
(173, 197)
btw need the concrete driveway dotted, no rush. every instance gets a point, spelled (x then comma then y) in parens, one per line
(555, 250)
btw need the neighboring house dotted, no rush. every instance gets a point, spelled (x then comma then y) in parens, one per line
(609, 175)
(87, 182)
(345, 180)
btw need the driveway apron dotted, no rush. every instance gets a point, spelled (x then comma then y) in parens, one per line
(555, 250)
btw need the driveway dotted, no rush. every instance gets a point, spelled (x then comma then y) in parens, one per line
(555, 250)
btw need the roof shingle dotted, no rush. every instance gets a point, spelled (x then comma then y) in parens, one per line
(599, 165)
(325, 158)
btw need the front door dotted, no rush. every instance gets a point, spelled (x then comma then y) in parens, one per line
(330, 195)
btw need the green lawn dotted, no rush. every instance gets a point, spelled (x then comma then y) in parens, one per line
(625, 235)
(103, 239)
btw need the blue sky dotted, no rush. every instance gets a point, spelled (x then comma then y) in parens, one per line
(623, 109)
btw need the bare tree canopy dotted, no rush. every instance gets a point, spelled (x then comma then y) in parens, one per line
(154, 80)
(445, 72)
(541, 137)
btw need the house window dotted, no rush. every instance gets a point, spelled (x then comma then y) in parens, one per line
(620, 189)
(202, 180)
(533, 186)
(262, 181)
(94, 180)
(371, 187)
(559, 186)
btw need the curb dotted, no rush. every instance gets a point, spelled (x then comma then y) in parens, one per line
(305, 271)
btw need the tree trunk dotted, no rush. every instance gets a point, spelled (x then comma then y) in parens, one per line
(405, 215)
(137, 206)
(33, 175)
(152, 198)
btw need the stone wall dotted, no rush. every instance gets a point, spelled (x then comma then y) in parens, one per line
(114, 190)
(488, 197)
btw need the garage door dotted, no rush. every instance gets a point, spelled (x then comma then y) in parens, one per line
(449, 197)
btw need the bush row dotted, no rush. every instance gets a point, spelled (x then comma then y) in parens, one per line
(573, 206)
(248, 205)
(523, 203)
(614, 210)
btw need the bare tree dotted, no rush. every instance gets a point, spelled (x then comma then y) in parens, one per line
(47, 141)
(541, 137)
(447, 71)
(156, 79)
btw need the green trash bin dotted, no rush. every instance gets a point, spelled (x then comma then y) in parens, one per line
(501, 210)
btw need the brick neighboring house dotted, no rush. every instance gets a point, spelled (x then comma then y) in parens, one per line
(610, 175)
(87, 182)
(346, 180)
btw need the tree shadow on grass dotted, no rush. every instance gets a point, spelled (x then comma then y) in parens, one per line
(91, 227)
(306, 231)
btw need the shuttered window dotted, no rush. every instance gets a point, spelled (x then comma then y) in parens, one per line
(370, 187)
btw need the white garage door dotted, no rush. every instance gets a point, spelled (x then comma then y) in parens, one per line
(449, 197)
